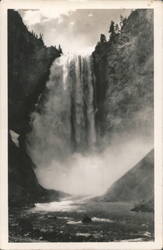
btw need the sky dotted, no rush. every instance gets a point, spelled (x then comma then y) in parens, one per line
(76, 30)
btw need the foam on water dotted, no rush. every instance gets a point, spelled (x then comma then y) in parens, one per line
(96, 219)
(64, 205)
(57, 206)
(71, 222)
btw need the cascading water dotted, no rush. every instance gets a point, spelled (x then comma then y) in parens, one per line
(67, 114)
(65, 122)
(62, 142)
(80, 77)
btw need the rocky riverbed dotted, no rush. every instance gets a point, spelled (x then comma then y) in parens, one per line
(80, 220)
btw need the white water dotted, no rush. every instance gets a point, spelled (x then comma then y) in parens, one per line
(63, 139)
(64, 205)
(64, 130)
(71, 204)
(66, 122)
(60, 206)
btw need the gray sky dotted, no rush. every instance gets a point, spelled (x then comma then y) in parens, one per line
(77, 30)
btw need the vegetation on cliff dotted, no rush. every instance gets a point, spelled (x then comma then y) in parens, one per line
(123, 68)
(29, 62)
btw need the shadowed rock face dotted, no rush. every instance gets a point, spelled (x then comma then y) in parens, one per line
(123, 69)
(24, 188)
(136, 185)
(23, 185)
(29, 61)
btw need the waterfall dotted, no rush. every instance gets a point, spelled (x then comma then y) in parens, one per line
(82, 101)
(64, 122)
(62, 142)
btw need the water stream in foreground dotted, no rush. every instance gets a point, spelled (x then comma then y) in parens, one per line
(81, 219)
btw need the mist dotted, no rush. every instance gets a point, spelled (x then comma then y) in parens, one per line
(94, 173)
(86, 170)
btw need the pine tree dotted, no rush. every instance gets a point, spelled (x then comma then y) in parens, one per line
(102, 38)
(41, 36)
(112, 31)
(122, 21)
(117, 30)
(60, 49)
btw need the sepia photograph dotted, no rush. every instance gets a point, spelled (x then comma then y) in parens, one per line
(81, 138)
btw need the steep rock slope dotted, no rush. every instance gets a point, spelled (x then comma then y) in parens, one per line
(29, 61)
(123, 68)
(24, 188)
(136, 185)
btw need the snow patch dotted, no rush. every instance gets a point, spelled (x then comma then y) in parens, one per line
(15, 138)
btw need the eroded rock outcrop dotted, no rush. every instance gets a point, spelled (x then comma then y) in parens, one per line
(29, 61)
(123, 68)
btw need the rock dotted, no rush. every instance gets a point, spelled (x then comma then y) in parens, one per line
(37, 233)
(137, 184)
(28, 70)
(144, 207)
(25, 225)
(29, 62)
(124, 77)
(86, 219)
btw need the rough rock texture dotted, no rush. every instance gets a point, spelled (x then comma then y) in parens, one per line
(136, 185)
(24, 188)
(144, 206)
(29, 61)
(123, 70)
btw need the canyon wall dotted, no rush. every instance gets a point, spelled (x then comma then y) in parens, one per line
(136, 185)
(124, 87)
(29, 61)
(123, 67)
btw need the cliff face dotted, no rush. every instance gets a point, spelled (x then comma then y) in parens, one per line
(23, 185)
(136, 185)
(29, 61)
(24, 188)
(123, 70)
